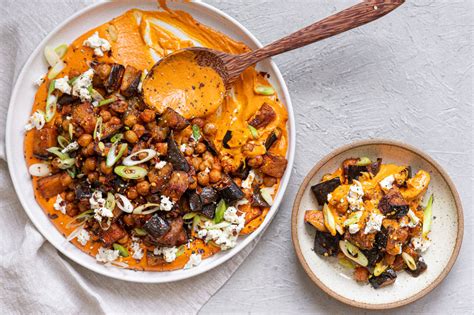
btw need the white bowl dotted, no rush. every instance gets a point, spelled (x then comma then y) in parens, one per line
(446, 234)
(21, 104)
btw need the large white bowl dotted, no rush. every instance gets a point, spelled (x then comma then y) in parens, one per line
(22, 100)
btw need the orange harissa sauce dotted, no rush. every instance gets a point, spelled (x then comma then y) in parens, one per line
(138, 39)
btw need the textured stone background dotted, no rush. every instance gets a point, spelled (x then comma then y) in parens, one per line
(406, 77)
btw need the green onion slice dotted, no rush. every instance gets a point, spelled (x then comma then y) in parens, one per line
(73, 80)
(112, 156)
(122, 250)
(78, 219)
(61, 50)
(107, 101)
(63, 142)
(221, 208)
(180, 250)
(72, 171)
(67, 163)
(427, 217)
(51, 56)
(363, 161)
(139, 209)
(56, 69)
(353, 253)
(128, 161)
(110, 201)
(98, 129)
(140, 231)
(353, 218)
(264, 90)
(189, 216)
(95, 94)
(409, 261)
(380, 267)
(130, 172)
(51, 105)
(253, 131)
(196, 133)
(57, 151)
(116, 138)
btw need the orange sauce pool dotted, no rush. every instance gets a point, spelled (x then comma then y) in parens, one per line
(138, 39)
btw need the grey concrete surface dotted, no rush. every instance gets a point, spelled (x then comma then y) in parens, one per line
(406, 77)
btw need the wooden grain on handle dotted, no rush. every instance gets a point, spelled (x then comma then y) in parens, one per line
(340, 22)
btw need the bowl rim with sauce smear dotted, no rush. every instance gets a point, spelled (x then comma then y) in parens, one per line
(300, 235)
(20, 108)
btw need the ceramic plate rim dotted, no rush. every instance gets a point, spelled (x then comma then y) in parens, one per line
(347, 147)
(154, 277)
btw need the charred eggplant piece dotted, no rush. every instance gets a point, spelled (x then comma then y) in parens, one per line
(226, 139)
(242, 172)
(172, 119)
(386, 278)
(421, 266)
(208, 195)
(392, 204)
(381, 239)
(195, 204)
(322, 190)
(130, 82)
(114, 80)
(257, 199)
(156, 226)
(373, 255)
(42, 140)
(272, 138)
(209, 210)
(67, 99)
(264, 116)
(229, 190)
(175, 236)
(325, 244)
(374, 167)
(210, 146)
(175, 156)
(354, 171)
(83, 192)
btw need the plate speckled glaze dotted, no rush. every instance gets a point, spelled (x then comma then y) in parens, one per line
(20, 109)
(446, 234)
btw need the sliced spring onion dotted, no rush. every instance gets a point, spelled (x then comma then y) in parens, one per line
(63, 142)
(98, 129)
(122, 250)
(266, 193)
(57, 151)
(343, 261)
(196, 221)
(51, 105)
(253, 131)
(189, 216)
(110, 201)
(67, 163)
(112, 156)
(353, 253)
(409, 261)
(112, 30)
(107, 101)
(71, 131)
(140, 231)
(51, 87)
(180, 250)
(196, 133)
(339, 229)
(72, 171)
(428, 217)
(80, 218)
(139, 209)
(264, 90)
(380, 267)
(353, 218)
(363, 161)
(61, 50)
(73, 80)
(329, 220)
(130, 172)
(221, 208)
(56, 69)
(95, 94)
(51, 56)
(39, 169)
(76, 232)
(123, 203)
(116, 138)
(128, 161)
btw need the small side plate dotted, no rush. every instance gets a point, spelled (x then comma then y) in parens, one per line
(446, 234)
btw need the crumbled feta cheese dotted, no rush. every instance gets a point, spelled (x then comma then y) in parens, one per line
(267, 194)
(100, 45)
(194, 260)
(60, 204)
(106, 255)
(420, 243)
(168, 253)
(36, 120)
(247, 183)
(182, 147)
(374, 223)
(354, 197)
(137, 250)
(62, 85)
(98, 205)
(73, 146)
(414, 220)
(81, 85)
(100, 213)
(354, 228)
(387, 182)
(230, 215)
(166, 204)
(241, 202)
(83, 237)
(202, 233)
(160, 165)
(39, 81)
(329, 197)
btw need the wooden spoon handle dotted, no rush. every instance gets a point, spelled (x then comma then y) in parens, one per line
(357, 15)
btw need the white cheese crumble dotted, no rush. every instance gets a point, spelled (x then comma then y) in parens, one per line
(419, 243)
(354, 228)
(194, 260)
(247, 183)
(39, 81)
(168, 253)
(387, 182)
(80, 87)
(137, 251)
(374, 223)
(60, 204)
(160, 165)
(329, 197)
(106, 255)
(62, 85)
(100, 45)
(73, 146)
(166, 204)
(182, 147)
(83, 237)
(98, 205)
(36, 120)
(414, 220)
(354, 197)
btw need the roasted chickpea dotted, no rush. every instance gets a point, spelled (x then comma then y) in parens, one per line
(93, 177)
(139, 130)
(203, 178)
(188, 150)
(56, 163)
(58, 122)
(132, 193)
(143, 188)
(208, 156)
(128, 219)
(131, 136)
(89, 150)
(106, 115)
(148, 115)
(256, 161)
(217, 165)
(209, 129)
(196, 161)
(198, 122)
(66, 180)
(238, 181)
(123, 240)
(200, 148)
(161, 148)
(70, 196)
(71, 209)
(102, 179)
(114, 120)
(65, 124)
(215, 176)
(269, 181)
(90, 164)
(130, 120)
(192, 182)
(84, 140)
(104, 169)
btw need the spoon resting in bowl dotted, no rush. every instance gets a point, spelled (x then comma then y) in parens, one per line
(194, 81)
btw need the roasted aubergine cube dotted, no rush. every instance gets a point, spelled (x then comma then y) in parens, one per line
(386, 278)
(392, 204)
(175, 156)
(325, 244)
(156, 226)
(322, 190)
